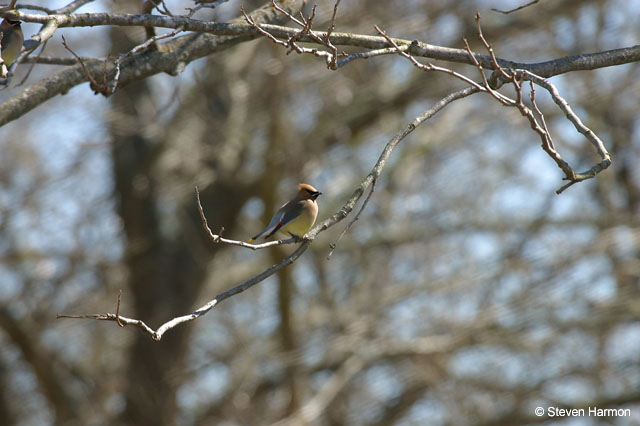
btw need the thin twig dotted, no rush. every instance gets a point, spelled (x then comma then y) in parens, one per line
(371, 54)
(427, 67)
(291, 42)
(118, 310)
(357, 216)
(487, 46)
(516, 77)
(217, 238)
(205, 4)
(506, 12)
(305, 23)
(580, 127)
(275, 5)
(165, 9)
(72, 6)
(516, 80)
(95, 86)
(33, 65)
(333, 21)
(486, 86)
(39, 8)
(11, 5)
(112, 317)
(327, 38)
(142, 46)
(532, 96)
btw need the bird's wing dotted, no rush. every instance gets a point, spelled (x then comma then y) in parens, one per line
(284, 216)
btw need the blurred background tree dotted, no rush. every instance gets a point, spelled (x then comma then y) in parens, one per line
(467, 293)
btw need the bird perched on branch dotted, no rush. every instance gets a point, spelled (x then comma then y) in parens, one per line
(297, 216)
(12, 39)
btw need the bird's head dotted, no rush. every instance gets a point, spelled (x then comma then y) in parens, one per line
(307, 192)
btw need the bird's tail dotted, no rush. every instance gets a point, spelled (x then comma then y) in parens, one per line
(255, 237)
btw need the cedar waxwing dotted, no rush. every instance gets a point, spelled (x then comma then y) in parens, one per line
(297, 216)
(12, 39)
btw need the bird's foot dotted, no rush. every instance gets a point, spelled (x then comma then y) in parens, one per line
(296, 238)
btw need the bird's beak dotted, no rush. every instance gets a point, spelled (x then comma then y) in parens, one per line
(316, 194)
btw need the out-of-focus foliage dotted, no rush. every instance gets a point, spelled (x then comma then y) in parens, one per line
(467, 293)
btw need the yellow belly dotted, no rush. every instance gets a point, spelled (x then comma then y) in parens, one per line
(299, 227)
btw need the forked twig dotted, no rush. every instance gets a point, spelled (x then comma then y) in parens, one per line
(427, 67)
(217, 238)
(142, 46)
(118, 310)
(330, 57)
(357, 216)
(535, 117)
(103, 89)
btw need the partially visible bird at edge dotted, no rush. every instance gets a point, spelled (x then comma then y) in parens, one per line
(12, 39)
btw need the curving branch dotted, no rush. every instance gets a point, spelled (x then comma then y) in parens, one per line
(172, 56)
(536, 120)
(587, 61)
(355, 218)
(342, 213)
(580, 127)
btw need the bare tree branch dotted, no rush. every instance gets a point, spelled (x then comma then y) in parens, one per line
(176, 53)
(516, 77)
(507, 12)
(171, 59)
(587, 61)
(356, 217)
(580, 127)
(335, 218)
(547, 143)
(95, 86)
